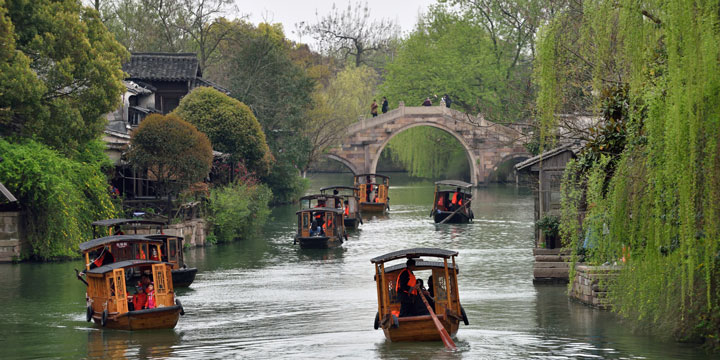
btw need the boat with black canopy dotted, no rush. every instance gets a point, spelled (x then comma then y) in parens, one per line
(171, 248)
(441, 299)
(350, 201)
(452, 202)
(373, 193)
(320, 228)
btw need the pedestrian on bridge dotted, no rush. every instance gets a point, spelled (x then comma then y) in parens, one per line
(373, 108)
(384, 105)
(427, 102)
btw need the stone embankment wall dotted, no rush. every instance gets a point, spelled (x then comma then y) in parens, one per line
(590, 284)
(551, 266)
(193, 231)
(10, 236)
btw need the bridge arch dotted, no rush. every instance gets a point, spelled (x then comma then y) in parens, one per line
(343, 161)
(472, 160)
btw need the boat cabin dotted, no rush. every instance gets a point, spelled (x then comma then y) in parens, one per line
(322, 200)
(170, 250)
(450, 196)
(321, 227)
(112, 305)
(438, 276)
(350, 200)
(114, 248)
(373, 192)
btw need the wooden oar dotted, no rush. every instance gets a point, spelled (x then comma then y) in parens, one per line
(454, 212)
(444, 336)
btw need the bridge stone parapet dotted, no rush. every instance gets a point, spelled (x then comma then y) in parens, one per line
(486, 144)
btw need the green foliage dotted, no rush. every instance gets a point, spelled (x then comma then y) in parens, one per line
(230, 125)
(238, 210)
(172, 150)
(430, 153)
(550, 225)
(60, 72)
(60, 196)
(454, 53)
(656, 82)
(255, 64)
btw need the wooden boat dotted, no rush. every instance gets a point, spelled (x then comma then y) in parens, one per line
(447, 303)
(373, 193)
(443, 206)
(332, 227)
(110, 305)
(351, 201)
(171, 248)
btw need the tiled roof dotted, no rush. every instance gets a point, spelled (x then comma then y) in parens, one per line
(574, 148)
(163, 66)
(204, 82)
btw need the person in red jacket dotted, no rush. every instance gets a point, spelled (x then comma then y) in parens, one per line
(139, 299)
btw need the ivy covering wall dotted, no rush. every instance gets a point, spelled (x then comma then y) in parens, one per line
(649, 199)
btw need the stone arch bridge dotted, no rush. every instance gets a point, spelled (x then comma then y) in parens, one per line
(486, 144)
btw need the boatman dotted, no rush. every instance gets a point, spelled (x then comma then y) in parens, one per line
(407, 288)
(457, 199)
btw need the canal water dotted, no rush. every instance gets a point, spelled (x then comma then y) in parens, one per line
(266, 298)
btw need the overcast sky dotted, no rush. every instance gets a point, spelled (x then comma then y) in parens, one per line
(289, 12)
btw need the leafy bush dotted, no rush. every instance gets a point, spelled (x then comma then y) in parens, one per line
(172, 150)
(230, 125)
(237, 211)
(61, 196)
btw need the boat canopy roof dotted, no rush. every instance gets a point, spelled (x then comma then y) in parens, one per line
(337, 211)
(115, 222)
(320, 197)
(339, 187)
(421, 264)
(454, 183)
(121, 265)
(414, 253)
(163, 236)
(376, 175)
(89, 245)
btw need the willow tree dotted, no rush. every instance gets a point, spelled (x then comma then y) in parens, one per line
(656, 64)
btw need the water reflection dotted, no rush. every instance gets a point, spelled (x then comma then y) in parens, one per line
(105, 344)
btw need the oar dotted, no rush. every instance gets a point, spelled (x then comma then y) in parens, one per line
(454, 212)
(77, 273)
(444, 336)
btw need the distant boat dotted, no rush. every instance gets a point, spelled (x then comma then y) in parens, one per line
(446, 306)
(320, 227)
(171, 248)
(452, 199)
(373, 193)
(110, 305)
(351, 204)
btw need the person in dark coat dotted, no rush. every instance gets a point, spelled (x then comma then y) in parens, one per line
(447, 100)
(427, 102)
(384, 105)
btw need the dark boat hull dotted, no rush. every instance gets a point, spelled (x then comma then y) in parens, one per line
(373, 208)
(352, 223)
(318, 242)
(458, 218)
(420, 328)
(183, 277)
(159, 318)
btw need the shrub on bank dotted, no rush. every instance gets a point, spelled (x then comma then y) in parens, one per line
(238, 210)
(60, 196)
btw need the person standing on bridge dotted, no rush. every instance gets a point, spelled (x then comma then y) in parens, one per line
(373, 108)
(427, 102)
(446, 97)
(384, 105)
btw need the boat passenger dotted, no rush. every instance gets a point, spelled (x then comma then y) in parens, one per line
(368, 189)
(150, 291)
(141, 254)
(407, 288)
(139, 300)
(338, 202)
(154, 255)
(347, 209)
(315, 228)
(441, 203)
